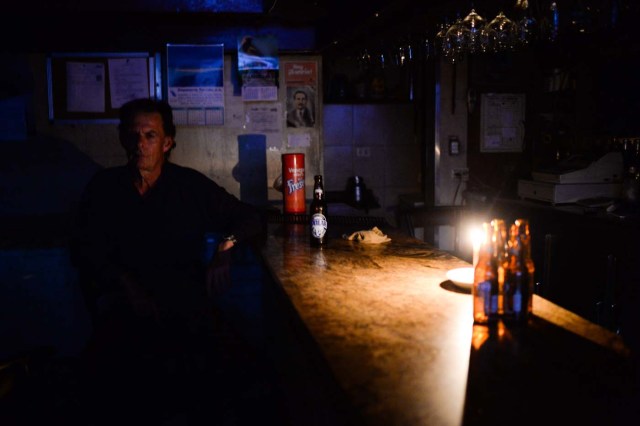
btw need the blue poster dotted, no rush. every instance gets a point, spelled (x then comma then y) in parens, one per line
(257, 53)
(258, 65)
(195, 83)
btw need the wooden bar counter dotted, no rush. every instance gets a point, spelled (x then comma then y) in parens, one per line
(399, 341)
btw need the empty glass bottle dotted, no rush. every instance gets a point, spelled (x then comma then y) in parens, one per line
(488, 274)
(518, 279)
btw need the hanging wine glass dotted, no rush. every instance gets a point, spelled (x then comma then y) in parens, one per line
(521, 5)
(407, 61)
(393, 56)
(526, 26)
(456, 41)
(426, 45)
(380, 58)
(488, 40)
(555, 21)
(526, 30)
(505, 32)
(409, 53)
(402, 55)
(439, 39)
(414, 48)
(474, 23)
(364, 60)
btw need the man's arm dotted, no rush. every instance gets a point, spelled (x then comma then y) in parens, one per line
(241, 223)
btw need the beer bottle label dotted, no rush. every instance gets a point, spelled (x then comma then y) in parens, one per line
(484, 290)
(517, 301)
(318, 225)
(494, 304)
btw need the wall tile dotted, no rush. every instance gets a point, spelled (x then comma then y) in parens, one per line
(400, 118)
(370, 125)
(393, 157)
(338, 125)
(382, 124)
(338, 164)
(401, 166)
(372, 168)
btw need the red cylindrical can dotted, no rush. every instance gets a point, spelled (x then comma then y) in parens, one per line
(293, 183)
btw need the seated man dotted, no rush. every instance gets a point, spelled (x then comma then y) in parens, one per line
(139, 240)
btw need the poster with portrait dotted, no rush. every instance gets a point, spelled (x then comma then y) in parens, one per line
(301, 110)
(301, 82)
(195, 87)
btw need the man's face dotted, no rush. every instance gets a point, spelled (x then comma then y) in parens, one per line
(146, 142)
(300, 100)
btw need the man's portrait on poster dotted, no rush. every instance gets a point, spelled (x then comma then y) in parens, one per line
(300, 107)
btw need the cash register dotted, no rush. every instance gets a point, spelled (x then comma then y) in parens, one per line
(573, 181)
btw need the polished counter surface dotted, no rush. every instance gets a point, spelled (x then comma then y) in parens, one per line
(399, 339)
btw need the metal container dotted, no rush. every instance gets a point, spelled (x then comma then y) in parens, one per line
(293, 189)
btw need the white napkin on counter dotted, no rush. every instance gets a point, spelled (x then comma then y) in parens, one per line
(371, 236)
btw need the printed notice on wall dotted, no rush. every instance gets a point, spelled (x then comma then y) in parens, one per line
(299, 140)
(128, 80)
(260, 93)
(502, 122)
(85, 87)
(195, 87)
(264, 118)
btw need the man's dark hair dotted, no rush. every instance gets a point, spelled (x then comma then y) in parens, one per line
(129, 110)
(300, 91)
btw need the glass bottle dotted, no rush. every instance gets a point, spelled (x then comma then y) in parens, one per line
(518, 279)
(555, 22)
(357, 189)
(499, 240)
(488, 274)
(318, 211)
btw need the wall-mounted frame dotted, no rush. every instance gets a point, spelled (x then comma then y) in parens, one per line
(502, 122)
(91, 87)
(195, 83)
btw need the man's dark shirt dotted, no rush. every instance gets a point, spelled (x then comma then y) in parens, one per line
(158, 238)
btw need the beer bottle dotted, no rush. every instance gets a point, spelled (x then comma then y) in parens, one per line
(518, 279)
(318, 211)
(499, 229)
(487, 303)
